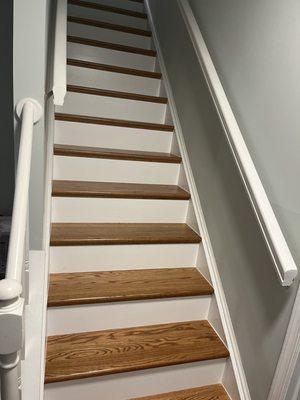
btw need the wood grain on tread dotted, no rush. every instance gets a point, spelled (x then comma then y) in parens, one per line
(65, 188)
(140, 284)
(116, 94)
(84, 355)
(211, 392)
(113, 68)
(111, 46)
(113, 122)
(86, 234)
(108, 25)
(104, 7)
(115, 154)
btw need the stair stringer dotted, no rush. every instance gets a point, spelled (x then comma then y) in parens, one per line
(233, 378)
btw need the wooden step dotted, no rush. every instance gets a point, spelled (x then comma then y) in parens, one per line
(111, 46)
(116, 94)
(118, 190)
(111, 286)
(113, 122)
(108, 25)
(113, 68)
(103, 7)
(85, 234)
(115, 154)
(90, 354)
(211, 392)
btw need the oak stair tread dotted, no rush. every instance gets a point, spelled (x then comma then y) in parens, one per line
(138, 284)
(211, 392)
(65, 188)
(77, 234)
(116, 93)
(87, 119)
(111, 46)
(90, 354)
(104, 7)
(108, 25)
(115, 154)
(113, 68)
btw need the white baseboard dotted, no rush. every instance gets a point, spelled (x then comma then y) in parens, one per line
(236, 360)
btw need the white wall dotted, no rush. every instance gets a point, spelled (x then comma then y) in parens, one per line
(259, 307)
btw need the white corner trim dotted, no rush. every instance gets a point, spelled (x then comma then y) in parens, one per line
(289, 355)
(216, 280)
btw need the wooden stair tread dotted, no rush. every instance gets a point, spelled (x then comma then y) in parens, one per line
(117, 94)
(76, 234)
(89, 354)
(115, 154)
(65, 188)
(108, 25)
(113, 122)
(114, 68)
(111, 46)
(211, 392)
(138, 284)
(104, 7)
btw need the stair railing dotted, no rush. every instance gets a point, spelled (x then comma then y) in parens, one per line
(14, 288)
(283, 261)
(59, 84)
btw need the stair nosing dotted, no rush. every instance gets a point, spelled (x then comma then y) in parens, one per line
(111, 46)
(114, 68)
(110, 26)
(117, 94)
(113, 122)
(103, 7)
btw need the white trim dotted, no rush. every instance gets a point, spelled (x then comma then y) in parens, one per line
(289, 356)
(283, 261)
(216, 281)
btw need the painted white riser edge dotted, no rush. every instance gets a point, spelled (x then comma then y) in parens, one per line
(120, 257)
(105, 16)
(94, 317)
(108, 56)
(111, 107)
(112, 81)
(76, 209)
(104, 170)
(108, 35)
(141, 383)
(113, 137)
(127, 4)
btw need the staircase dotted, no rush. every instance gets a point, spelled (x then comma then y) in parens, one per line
(128, 300)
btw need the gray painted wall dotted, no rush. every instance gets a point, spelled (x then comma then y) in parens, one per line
(259, 307)
(6, 108)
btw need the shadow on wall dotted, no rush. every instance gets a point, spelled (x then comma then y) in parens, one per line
(7, 131)
(259, 306)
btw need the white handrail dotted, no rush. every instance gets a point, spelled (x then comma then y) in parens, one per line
(59, 87)
(12, 292)
(284, 263)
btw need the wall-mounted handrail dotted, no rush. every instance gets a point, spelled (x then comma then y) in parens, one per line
(59, 87)
(284, 263)
(12, 290)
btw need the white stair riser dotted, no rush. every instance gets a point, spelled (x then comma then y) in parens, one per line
(75, 209)
(120, 257)
(140, 383)
(96, 317)
(106, 16)
(108, 35)
(104, 170)
(127, 4)
(111, 107)
(113, 137)
(108, 56)
(112, 81)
